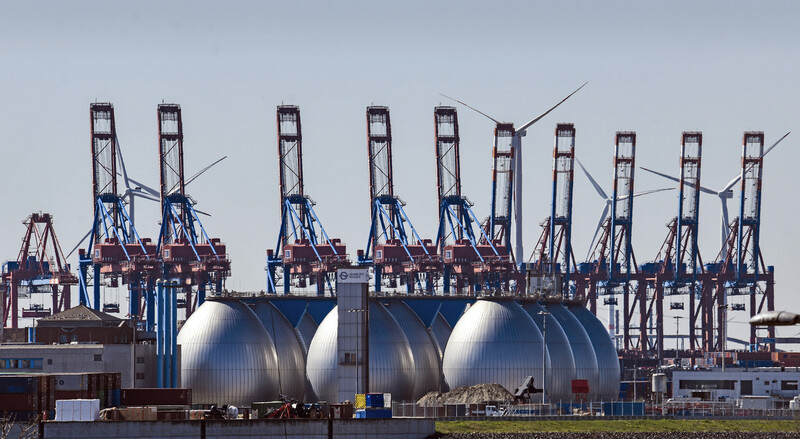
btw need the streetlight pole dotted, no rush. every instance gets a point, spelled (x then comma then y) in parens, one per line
(723, 310)
(544, 315)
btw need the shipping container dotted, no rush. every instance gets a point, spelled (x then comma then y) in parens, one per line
(19, 402)
(374, 413)
(374, 400)
(71, 382)
(19, 384)
(756, 356)
(623, 408)
(155, 396)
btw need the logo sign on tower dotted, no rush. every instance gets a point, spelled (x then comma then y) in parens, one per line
(352, 275)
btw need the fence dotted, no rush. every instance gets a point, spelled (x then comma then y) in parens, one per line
(593, 410)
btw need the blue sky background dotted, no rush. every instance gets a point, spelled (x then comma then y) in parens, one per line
(659, 68)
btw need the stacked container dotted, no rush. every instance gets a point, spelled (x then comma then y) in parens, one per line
(373, 405)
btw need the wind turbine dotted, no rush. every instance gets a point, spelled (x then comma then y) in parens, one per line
(608, 201)
(516, 165)
(130, 194)
(724, 194)
(143, 191)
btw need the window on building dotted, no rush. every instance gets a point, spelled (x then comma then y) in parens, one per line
(98, 357)
(789, 385)
(49, 361)
(350, 358)
(21, 363)
(746, 387)
(140, 375)
(139, 360)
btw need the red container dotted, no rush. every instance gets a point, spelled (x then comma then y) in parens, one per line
(155, 396)
(754, 356)
(19, 402)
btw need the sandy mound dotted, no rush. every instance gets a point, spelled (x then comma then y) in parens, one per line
(468, 395)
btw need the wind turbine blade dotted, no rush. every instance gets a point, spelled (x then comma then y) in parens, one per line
(142, 194)
(471, 108)
(669, 177)
(739, 177)
(533, 121)
(775, 144)
(122, 165)
(594, 183)
(146, 188)
(652, 191)
(199, 173)
(597, 230)
(79, 244)
(202, 213)
(731, 183)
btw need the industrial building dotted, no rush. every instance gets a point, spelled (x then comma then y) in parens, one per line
(81, 339)
(778, 385)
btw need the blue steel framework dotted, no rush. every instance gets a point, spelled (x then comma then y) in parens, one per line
(302, 252)
(470, 258)
(391, 250)
(115, 248)
(553, 254)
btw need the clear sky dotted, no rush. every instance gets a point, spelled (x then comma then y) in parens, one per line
(658, 68)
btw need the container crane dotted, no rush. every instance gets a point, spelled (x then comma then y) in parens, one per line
(304, 251)
(40, 267)
(613, 263)
(115, 250)
(190, 256)
(678, 268)
(553, 257)
(752, 276)
(393, 250)
(470, 257)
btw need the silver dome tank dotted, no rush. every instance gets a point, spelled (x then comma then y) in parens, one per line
(427, 363)
(227, 357)
(559, 378)
(391, 363)
(291, 357)
(495, 341)
(581, 344)
(305, 330)
(440, 330)
(607, 359)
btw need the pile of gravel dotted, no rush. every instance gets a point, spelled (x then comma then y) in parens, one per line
(476, 394)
